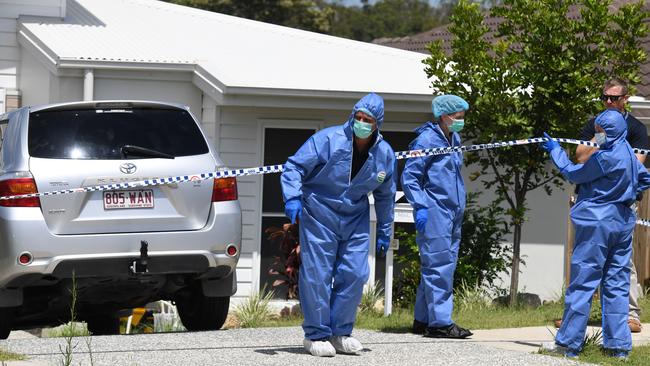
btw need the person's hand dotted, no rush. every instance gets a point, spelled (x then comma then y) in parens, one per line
(293, 209)
(383, 242)
(421, 217)
(551, 144)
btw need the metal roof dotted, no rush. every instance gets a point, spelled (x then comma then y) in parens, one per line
(237, 52)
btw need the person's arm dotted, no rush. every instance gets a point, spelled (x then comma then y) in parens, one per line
(583, 152)
(576, 173)
(301, 165)
(385, 200)
(413, 178)
(641, 158)
(644, 178)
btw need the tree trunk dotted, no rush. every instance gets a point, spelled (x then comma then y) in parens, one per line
(516, 249)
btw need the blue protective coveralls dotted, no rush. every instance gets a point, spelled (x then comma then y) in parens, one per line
(435, 183)
(335, 220)
(603, 221)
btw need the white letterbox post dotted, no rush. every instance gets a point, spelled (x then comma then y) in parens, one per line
(403, 213)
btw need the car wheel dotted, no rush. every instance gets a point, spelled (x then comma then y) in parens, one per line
(103, 325)
(6, 321)
(199, 312)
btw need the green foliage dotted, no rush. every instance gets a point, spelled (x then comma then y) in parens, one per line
(371, 296)
(387, 18)
(70, 329)
(10, 356)
(471, 298)
(481, 257)
(542, 72)
(253, 311)
(408, 277)
(303, 14)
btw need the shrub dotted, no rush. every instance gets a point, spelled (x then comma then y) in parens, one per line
(371, 296)
(254, 311)
(286, 266)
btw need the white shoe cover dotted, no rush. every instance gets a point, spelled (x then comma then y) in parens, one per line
(347, 345)
(319, 348)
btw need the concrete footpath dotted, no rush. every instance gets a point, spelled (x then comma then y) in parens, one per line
(283, 346)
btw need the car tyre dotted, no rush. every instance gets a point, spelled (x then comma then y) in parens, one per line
(6, 321)
(199, 312)
(103, 325)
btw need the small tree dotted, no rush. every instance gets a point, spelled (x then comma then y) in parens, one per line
(543, 72)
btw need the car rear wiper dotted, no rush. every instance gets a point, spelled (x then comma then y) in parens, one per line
(143, 151)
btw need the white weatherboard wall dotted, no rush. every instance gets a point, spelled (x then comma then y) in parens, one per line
(45, 8)
(10, 11)
(9, 52)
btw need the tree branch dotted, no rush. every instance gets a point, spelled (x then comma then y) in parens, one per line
(504, 189)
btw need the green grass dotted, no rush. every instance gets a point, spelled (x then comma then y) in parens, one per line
(10, 356)
(594, 354)
(639, 356)
(70, 329)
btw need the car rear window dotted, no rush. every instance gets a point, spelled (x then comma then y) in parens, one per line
(100, 134)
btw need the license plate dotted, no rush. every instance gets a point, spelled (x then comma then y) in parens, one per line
(133, 198)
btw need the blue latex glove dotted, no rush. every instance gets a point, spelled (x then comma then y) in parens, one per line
(550, 145)
(383, 242)
(293, 209)
(421, 217)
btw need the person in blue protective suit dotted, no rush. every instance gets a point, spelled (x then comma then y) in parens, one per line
(434, 186)
(603, 221)
(326, 185)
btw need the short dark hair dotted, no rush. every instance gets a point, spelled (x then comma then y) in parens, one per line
(616, 82)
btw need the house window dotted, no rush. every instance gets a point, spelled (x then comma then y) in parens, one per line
(279, 144)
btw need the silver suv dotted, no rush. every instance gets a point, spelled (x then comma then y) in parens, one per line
(123, 248)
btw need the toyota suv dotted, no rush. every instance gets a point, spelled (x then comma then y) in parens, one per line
(114, 249)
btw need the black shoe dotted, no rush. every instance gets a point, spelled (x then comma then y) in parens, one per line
(418, 327)
(450, 331)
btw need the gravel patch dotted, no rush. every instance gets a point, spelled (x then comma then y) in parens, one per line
(269, 346)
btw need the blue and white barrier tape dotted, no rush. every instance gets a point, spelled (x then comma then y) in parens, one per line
(279, 168)
(642, 222)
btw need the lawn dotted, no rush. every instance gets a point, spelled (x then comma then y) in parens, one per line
(9, 356)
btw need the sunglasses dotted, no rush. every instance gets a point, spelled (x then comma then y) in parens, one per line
(613, 98)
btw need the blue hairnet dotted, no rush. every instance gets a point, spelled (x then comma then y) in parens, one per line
(448, 104)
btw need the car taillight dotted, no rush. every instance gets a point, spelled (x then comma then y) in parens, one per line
(224, 189)
(17, 187)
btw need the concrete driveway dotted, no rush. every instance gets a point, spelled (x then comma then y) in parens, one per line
(281, 346)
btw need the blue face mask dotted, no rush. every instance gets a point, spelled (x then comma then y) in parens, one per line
(601, 138)
(456, 125)
(362, 129)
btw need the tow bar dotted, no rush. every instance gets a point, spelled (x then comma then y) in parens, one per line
(140, 265)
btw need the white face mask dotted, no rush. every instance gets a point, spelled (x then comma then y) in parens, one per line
(601, 138)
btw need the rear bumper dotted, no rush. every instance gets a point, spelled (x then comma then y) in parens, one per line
(200, 251)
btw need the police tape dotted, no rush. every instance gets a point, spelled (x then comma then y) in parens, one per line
(279, 168)
(643, 222)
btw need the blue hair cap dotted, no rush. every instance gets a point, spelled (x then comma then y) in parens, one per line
(448, 104)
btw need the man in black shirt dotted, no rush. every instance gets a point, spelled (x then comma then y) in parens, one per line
(615, 96)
